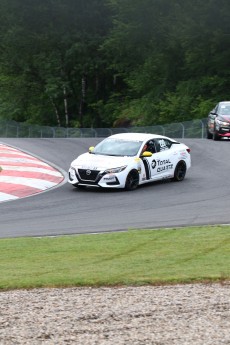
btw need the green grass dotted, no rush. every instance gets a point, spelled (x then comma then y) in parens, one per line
(130, 258)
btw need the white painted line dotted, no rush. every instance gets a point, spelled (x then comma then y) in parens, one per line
(15, 153)
(31, 182)
(21, 160)
(5, 197)
(31, 169)
(24, 175)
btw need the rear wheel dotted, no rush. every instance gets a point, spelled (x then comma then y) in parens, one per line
(180, 171)
(132, 180)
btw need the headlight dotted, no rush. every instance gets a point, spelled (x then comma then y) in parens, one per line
(223, 123)
(72, 172)
(115, 170)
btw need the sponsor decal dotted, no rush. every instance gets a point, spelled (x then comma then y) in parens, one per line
(109, 178)
(144, 177)
(138, 161)
(162, 165)
(183, 154)
(86, 167)
(154, 163)
(167, 177)
(163, 145)
(164, 161)
(165, 168)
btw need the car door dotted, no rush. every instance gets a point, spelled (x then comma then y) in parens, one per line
(162, 163)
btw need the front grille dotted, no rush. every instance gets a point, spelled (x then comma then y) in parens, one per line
(88, 175)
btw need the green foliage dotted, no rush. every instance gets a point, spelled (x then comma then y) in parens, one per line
(50, 48)
(109, 62)
(180, 67)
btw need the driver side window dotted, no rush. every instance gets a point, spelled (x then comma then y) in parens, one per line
(151, 146)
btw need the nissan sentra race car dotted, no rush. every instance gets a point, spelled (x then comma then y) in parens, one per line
(128, 160)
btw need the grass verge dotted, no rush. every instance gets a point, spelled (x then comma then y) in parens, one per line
(135, 257)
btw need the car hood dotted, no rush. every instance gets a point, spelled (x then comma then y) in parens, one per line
(225, 118)
(100, 162)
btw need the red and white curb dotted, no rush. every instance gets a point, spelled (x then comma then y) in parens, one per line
(22, 175)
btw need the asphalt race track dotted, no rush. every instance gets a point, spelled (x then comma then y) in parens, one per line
(202, 198)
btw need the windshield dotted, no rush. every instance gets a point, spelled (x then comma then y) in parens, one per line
(118, 147)
(225, 109)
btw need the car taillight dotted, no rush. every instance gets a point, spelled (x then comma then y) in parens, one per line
(188, 150)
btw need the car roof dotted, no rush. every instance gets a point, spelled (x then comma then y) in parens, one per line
(224, 102)
(138, 136)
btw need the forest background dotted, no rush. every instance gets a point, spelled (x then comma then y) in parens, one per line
(111, 63)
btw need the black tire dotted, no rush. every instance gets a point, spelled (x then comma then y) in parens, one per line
(209, 135)
(79, 186)
(132, 180)
(180, 171)
(215, 135)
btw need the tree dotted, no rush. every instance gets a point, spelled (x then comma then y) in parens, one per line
(51, 48)
(109, 62)
(171, 56)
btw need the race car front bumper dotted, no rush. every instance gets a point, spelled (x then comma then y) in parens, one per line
(95, 178)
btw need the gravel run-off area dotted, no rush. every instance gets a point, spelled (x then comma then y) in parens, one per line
(196, 314)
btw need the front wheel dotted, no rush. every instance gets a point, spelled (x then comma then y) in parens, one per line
(215, 135)
(132, 180)
(180, 171)
(209, 135)
(79, 186)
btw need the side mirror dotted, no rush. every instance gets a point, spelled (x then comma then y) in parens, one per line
(146, 154)
(91, 149)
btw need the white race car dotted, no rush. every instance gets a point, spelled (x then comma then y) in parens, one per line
(128, 160)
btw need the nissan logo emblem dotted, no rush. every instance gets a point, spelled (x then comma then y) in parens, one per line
(88, 172)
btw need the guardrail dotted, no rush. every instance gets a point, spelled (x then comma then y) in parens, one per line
(187, 129)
